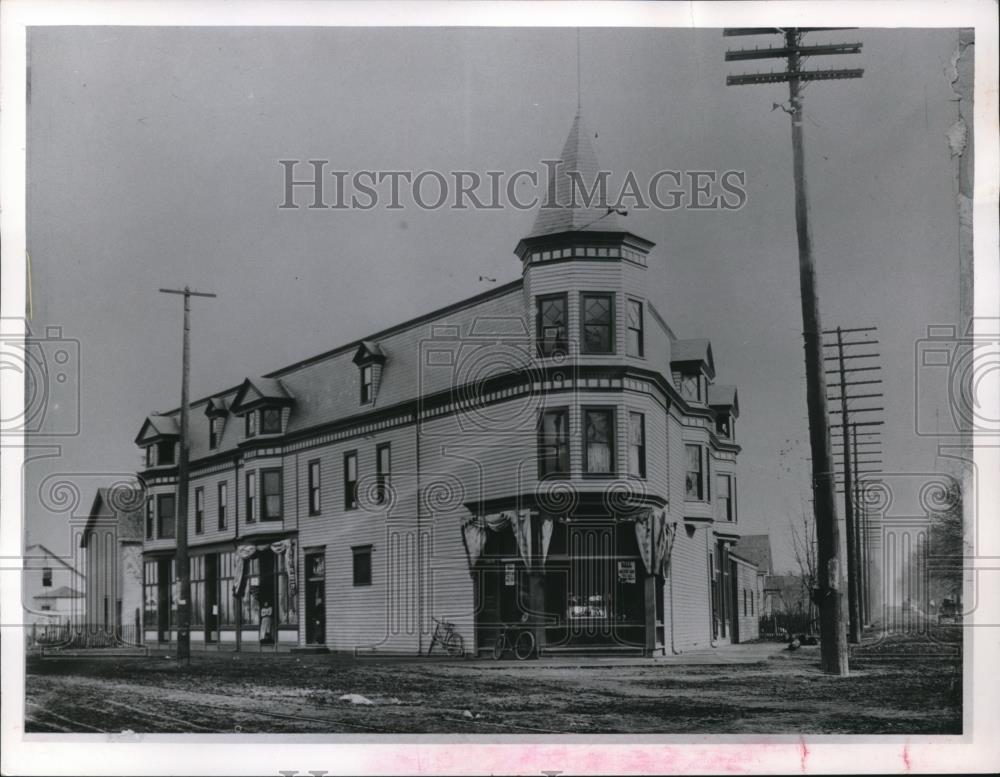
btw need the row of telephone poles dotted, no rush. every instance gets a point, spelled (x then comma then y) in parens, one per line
(794, 50)
(853, 360)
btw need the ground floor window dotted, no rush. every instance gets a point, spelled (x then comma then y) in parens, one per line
(150, 582)
(197, 591)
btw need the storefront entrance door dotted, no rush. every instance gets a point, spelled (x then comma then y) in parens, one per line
(315, 598)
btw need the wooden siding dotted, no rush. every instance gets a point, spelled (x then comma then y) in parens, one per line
(746, 589)
(690, 603)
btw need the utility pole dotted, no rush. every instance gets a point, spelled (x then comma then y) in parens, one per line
(183, 561)
(859, 350)
(861, 520)
(833, 640)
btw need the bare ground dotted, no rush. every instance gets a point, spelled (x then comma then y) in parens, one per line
(901, 685)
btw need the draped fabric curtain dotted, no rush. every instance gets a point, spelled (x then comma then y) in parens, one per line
(655, 539)
(474, 534)
(644, 539)
(284, 551)
(243, 555)
(547, 526)
(474, 539)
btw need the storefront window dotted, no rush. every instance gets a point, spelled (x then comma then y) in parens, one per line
(251, 603)
(197, 591)
(150, 581)
(227, 609)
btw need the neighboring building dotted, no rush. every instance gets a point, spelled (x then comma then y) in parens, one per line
(548, 449)
(112, 544)
(785, 594)
(53, 588)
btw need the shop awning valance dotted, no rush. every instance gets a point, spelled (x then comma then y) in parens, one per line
(284, 552)
(474, 533)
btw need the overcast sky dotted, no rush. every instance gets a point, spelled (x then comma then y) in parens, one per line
(153, 161)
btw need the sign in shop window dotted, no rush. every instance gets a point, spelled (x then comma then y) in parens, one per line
(510, 574)
(626, 571)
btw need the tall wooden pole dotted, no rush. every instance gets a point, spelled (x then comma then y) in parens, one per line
(861, 532)
(183, 560)
(854, 609)
(833, 639)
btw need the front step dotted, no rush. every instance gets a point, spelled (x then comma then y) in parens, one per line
(592, 650)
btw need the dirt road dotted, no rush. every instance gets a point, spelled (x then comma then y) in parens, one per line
(887, 693)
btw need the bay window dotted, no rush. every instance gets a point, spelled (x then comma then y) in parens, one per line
(553, 443)
(598, 441)
(598, 329)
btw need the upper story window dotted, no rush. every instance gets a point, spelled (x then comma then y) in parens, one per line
(637, 445)
(691, 388)
(166, 514)
(214, 432)
(46, 577)
(251, 423)
(251, 497)
(270, 494)
(694, 476)
(598, 441)
(149, 518)
(199, 510)
(367, 383)
(383, 471)
(150, 458)
(724, 425)
(314, 503)
(635, 332)
(223, 505)
(553, 443)
(551, 324)
(598, 329)
(350, 480)
(724, 495)
(270, 420)
(370, 359)
(165, 452)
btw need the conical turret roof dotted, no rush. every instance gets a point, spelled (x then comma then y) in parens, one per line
(564, 208)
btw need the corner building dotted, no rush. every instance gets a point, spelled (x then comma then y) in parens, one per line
(546, 453)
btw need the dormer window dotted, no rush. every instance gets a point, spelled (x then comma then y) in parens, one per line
(724, 425)
(216, 410)
(165, 452)
(691, 388)
(270, 420)
(370, 360)
(158, 437)
(261, 402)
(366, 384)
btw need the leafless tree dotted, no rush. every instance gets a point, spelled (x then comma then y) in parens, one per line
(803, 533)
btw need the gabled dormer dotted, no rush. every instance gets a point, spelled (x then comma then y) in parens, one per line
(264, 404)
(692, 368)
(158, 437)
(370, 359)
(725, 402)
(216, 411)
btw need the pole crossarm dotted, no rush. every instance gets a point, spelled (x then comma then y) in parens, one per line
(801, 75)
(783, 51)
(730, 32)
